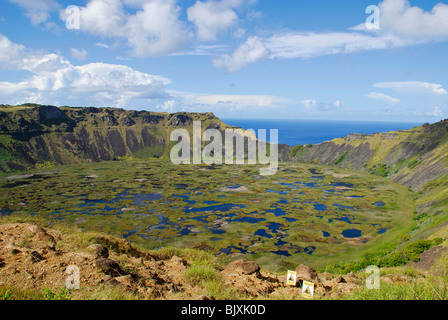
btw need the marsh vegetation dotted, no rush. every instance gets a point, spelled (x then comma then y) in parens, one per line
(303, 214)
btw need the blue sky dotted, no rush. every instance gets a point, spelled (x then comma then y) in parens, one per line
(285, 59)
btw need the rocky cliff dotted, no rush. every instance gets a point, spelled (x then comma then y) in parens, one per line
(35, 135)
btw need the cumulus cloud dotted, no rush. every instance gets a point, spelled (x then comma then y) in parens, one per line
(54, 78)
(213, 17)
(156, 29)
(37, 11)
(80, 54)
(400, 18)
(153, 30)
(383, 97)
(249, 52)
(9, 54)
(412, 87)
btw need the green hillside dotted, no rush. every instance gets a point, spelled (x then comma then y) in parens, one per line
(415, 158)
(35, 136)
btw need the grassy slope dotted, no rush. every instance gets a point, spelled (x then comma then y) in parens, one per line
(416, 158)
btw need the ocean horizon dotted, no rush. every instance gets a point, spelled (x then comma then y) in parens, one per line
(296, 131)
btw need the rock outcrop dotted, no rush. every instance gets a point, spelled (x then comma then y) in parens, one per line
(47, 135)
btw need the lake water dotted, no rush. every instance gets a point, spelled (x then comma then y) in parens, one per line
(294, 132)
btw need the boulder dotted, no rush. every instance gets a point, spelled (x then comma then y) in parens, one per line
(99, 251)
(242, 266)
(109, 267)
(334, 282)
(112, 282)
(305, 273)
(126, 281)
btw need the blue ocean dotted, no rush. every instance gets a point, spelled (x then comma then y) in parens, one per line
(294, 132)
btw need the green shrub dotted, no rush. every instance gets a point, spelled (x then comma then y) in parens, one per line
(199, 273)
(413, 164)
(410, 252)
(385, 257)
(342, 158)
(293, 152)
(381, 170)
(420, 216)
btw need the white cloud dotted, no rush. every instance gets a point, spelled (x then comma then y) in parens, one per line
(79, 54)
(237, 100)
(314, 105)
(383, 97)
(309, 104)
(401, 25)
(38, 11)
(168, 106)
(305, 45)
(56, 79)
(412, 87)
(10, 54)
(102, 45)
(249, 52)
(213, 17)
(310, 44)
(202, 50)
(153, 30)
(101, 17)
(225, 102)
(156, 30)
(400, 18)
(436, 112)
(336, 104)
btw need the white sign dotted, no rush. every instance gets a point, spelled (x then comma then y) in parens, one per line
(307, 289)
(291, 278)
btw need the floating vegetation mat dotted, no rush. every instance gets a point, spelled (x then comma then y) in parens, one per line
(303, 212)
